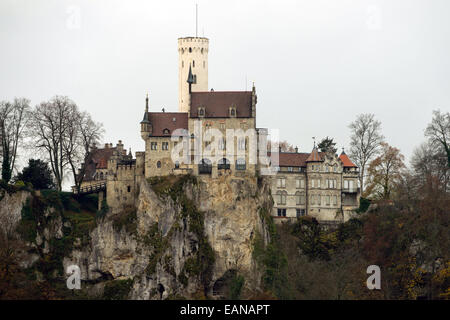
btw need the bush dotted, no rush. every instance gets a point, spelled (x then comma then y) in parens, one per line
(117, 289)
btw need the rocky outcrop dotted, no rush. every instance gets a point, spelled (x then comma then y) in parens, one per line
(184, 235)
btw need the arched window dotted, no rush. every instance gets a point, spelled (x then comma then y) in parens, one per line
(193, 63)
(158, 164)
(177, 164)
(224, 163)
(201, 112)
(190, 49)
(205, 166)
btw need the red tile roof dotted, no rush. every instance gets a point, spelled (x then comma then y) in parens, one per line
(167, 120)
(291, 159)
(98, 159)
(346, 161)
(217, 103)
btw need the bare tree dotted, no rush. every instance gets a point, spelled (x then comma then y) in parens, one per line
(50, 123)
(438, 132)
(284, 146)
(13, 120)
(82, 133)
(64, 134)
(365, 142)
(427, 161)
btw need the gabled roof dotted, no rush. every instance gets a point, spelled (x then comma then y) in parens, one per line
(167, 120)
(346, 161)
(217, 103)
(314, 156)
(98, 159)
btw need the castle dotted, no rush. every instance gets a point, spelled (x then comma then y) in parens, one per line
(213, 134)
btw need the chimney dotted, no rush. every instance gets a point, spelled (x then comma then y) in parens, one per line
(106, 145)
(279, 149)
(296, 149)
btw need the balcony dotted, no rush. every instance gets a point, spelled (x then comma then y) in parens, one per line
(350, 190)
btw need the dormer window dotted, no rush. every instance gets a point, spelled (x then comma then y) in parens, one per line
(201, 112)
(166, 131)
(232, 112)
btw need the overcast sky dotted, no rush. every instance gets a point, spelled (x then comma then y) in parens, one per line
(316, 63)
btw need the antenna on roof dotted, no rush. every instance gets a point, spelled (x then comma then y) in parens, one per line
(196, 20)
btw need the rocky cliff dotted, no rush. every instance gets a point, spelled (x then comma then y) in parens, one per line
(186, 237)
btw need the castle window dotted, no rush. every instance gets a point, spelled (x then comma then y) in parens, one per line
(224, 163)
(190, 49)
(195, 78)
(154, 145)
(240, 164)
(232, 112)
(222, 144)
(290, 169)
(101, 175)
(158, 164)
(300, 212)
(281, 195)
(335, 200)
(242, 144)
(335, 168)
(165, 146)
(297, 198)
(129, 189)
(327, 200)
(319, 202)
(193, 63)
(201, 112)
(281, 182)
(281, 212)
(177, 164)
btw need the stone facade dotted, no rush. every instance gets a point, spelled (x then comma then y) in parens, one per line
(316, 184)
(324, 188)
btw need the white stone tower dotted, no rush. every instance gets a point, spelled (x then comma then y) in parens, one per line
(193, 53)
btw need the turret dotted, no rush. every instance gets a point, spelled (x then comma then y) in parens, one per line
(254, 100)
(146, 126)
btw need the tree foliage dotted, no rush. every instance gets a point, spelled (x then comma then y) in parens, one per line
(38, 174)
(384, 173)
(327, 145)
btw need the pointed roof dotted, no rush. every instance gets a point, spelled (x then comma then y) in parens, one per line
(145, 119)
(190, 78)
(346, 161)
(314, 156)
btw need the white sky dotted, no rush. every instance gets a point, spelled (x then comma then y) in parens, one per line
(316, 63)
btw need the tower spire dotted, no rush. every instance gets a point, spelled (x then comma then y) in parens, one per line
(146, 103)
(190, 78)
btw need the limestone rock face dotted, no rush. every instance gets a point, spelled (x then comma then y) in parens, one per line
(165, 247)
(11, 207)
